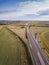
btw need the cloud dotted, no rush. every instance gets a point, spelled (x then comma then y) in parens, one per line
(28, 10)
(45, 12)
(38, 0)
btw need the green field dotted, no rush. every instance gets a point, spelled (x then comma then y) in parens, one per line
(47, 41)
(12, 51)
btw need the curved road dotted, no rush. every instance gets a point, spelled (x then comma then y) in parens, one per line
(37, 54)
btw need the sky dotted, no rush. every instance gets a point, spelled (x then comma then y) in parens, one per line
(24, 10)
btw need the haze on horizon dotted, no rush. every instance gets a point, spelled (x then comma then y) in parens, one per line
(24, 10)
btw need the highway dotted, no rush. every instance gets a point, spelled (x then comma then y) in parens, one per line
(37, 54)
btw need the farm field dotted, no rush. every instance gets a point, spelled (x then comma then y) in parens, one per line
(12, 50)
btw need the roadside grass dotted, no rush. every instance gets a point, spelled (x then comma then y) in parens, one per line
(12, 51)
(44, 38)
(47, 36)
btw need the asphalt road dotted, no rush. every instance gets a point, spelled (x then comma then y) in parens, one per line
(37, 54)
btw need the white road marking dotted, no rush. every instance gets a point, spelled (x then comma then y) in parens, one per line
(40, 58)
(30, 45)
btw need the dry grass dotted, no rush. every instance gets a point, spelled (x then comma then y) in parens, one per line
(44, 38)
(19, 30)
(35, 30)
(1, 27)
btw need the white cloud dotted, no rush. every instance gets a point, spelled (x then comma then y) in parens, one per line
(28, 7)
